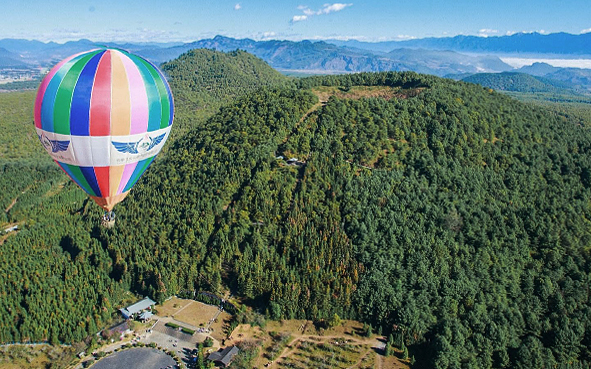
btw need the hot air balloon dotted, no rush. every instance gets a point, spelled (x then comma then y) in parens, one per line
(103, 115)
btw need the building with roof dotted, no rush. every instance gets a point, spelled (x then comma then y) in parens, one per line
(145, 316)
(138, 307)
(224, 357)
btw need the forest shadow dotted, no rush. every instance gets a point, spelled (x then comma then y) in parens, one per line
(67, 244)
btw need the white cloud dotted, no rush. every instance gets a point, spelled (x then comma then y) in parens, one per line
(237, 6)
(540, 31)
(299, 18)
(269, 35)
(330, 8)
(326, 9)
(485, 32)
(586, 30)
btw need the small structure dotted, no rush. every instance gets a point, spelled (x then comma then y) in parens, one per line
(119, 330)
(11, 229)
(294, 161)
(145, 316)
(224, 357)
(138, 307)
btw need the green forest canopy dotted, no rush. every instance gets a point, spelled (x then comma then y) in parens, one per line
(450, 215)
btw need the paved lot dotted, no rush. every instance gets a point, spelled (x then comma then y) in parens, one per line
(173, 339)
(135, 358)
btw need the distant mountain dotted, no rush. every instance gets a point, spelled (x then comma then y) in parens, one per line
(446, 62)
(10, 60)
(581, 78)
(519, 82)
(322, 56)
(438, 56)
(554, 43)
(538, 69)
(37, 53)
(304, 55)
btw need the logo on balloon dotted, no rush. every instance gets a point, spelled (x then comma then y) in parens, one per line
(53, 145)
(146, 144)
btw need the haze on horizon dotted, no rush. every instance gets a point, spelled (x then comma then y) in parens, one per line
(370, 20)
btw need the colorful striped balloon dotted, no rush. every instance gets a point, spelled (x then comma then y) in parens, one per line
(103, 115)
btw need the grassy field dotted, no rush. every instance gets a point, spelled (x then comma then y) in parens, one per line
(299, 344)
(35, 356)
(196, 314)
(358, 92)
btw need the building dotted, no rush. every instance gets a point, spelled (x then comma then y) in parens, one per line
(117, 331)
(11, 229)
(224, 358)
(138, 307)
(145, 316)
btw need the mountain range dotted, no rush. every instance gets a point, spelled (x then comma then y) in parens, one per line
(439, 56)
(519, 43)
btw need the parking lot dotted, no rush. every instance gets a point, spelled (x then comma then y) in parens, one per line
(136, 358)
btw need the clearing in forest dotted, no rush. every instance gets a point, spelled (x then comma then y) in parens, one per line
(299, 344)
(196, 314)
(358, 92)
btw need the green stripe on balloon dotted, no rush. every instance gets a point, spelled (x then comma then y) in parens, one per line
(47, 106)
(63, 99)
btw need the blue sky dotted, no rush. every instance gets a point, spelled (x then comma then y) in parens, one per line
(368, 20)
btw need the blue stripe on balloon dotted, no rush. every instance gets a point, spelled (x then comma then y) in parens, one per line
(88, 173)
(80, 110)
(51, 93)
(74, 173)
(137, 173)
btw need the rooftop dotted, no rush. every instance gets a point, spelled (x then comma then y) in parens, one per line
(225, 356)
(137, 307)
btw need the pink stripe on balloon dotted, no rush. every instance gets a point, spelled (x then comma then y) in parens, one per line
(127, 172)
(43, 87)
(139, 98)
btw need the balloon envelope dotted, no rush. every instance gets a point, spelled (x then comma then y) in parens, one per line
(103, 115)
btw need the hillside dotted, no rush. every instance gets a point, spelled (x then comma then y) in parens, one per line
(202, 78)
(519, 82)
(422, 213)
(444, 213)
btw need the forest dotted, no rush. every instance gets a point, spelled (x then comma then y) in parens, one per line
(446, 214)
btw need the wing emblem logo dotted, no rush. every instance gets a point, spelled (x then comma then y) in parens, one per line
(145, 144)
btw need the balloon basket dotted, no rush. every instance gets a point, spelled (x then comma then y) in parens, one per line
(108, 223)
(108, 219)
